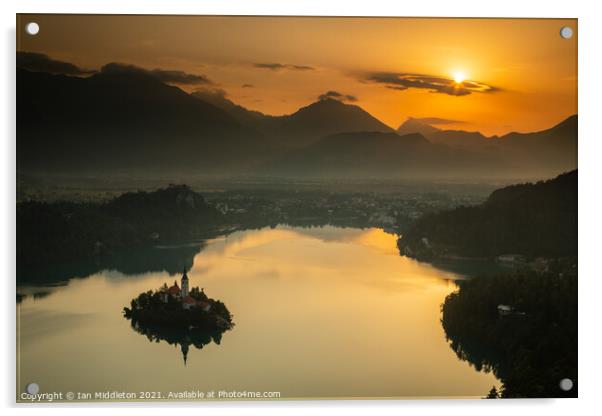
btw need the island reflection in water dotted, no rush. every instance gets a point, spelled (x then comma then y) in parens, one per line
(319, 312)
(182, 338)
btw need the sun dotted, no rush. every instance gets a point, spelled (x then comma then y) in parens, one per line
(459, 77)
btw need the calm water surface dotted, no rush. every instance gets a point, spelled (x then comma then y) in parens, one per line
(320, 312)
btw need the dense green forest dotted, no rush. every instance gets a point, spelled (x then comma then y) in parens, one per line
(65, 232)
(531, 349)
(530, 219)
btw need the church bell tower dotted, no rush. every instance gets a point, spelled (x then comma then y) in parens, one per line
(184, 284)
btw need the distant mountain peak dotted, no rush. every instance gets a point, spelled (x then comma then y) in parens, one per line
(326, 117)
(328, 104)
(413, 125)
(568, 123)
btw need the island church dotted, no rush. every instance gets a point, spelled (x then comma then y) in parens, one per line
(183, 295)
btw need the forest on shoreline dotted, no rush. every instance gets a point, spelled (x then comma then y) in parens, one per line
(531, 219)
(529, 348)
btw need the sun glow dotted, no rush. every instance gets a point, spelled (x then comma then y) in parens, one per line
(459, 77)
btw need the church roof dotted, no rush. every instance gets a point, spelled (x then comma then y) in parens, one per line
(189, 300)
(174, 290)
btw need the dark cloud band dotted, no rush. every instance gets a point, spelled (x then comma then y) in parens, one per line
(39, 62)
(442, 85)
(335, 95)
(276, 66)
(168, 76)
(180, 77)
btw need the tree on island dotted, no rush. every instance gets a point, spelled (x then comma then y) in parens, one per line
(493, 394)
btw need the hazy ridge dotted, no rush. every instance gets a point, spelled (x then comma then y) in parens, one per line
(131, 122)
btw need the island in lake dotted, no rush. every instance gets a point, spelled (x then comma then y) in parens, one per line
(179, 315)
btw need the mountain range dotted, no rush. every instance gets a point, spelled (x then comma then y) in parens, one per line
(556, 136)
(305, 126)
(119, 120)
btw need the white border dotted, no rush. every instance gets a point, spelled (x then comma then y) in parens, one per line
(590, 137)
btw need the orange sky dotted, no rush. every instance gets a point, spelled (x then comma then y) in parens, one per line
(531, 69)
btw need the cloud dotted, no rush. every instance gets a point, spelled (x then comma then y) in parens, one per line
(215, 96)
(301, 67)
(213, 92)
(436, 84)
(335, 95)
(180, 77)
(39, 62)
(276, 66)
(167, 76)
(273, 67)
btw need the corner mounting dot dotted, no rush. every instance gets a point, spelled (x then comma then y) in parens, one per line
(32, 28)
(566, 384)
(566, 32)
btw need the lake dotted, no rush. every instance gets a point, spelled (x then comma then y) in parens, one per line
(322, 312)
